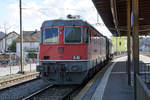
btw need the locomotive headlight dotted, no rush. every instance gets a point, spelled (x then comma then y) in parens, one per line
(76, 57)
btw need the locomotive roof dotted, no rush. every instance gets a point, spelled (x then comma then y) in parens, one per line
(64, 22)
(67, 23)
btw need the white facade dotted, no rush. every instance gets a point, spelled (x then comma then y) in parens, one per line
(27, 46)
(2, 45)
(9, 38)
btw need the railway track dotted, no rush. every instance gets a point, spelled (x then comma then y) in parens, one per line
(21, 90)
(29, 91)
(18, 84)
(52, 92)
(18, 80)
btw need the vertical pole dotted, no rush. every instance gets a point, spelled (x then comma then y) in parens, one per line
(10, 62)
(128, 42)
(5, 38)
(97, 18)
(37, 58)
(117, 46)
(30, 64)
(135, 5)
(21, 40)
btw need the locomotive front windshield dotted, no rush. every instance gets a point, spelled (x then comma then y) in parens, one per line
(51, 35)
(72, 35)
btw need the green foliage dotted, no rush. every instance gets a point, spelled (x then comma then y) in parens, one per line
(12, 47)
(31, 50)
(32, 55)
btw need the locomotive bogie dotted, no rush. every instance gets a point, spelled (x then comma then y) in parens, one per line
(71, 72)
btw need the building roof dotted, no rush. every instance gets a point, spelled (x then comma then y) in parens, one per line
(13, 32)
(30, 36)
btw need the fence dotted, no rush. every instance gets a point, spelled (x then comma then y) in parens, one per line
(143, 82)
(143, 93)
(10, 64)
(144, 70)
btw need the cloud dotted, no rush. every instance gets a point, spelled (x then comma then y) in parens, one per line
(13, 13)
(36, 11)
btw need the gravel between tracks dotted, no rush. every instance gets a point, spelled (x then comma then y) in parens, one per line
(55, 92)
(21, 91)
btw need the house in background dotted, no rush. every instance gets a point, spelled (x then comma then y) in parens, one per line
(144, 45)
(2, 34)
(31, 41)
(7, 40)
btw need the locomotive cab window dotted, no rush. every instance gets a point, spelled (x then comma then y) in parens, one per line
(72, 35)
(51, 35)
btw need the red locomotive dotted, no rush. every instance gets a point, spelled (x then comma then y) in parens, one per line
(70, 51)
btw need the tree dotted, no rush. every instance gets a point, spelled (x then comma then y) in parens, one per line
(12, 47)
(32, 55)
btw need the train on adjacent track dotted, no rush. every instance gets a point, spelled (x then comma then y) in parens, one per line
(70, 51)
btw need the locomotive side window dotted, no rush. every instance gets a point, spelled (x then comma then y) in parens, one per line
(85, 36)
(72, 34)
(41, 41)
(51, 35)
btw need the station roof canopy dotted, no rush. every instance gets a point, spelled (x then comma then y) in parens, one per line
(114, 15)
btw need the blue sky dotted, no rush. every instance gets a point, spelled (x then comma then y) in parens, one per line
(36, 11)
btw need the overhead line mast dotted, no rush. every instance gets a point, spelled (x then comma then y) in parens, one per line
(21, 40)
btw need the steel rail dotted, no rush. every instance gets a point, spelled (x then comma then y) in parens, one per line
(37, 92)
(30, 76)
(18, 84)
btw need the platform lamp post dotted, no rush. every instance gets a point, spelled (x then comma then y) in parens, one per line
(21, 40)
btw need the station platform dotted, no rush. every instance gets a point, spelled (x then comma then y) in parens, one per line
(117, 86)
(112, 85)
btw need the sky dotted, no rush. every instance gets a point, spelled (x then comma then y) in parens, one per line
(36, 11)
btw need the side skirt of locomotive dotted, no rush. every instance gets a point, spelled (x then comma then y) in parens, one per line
(72, 72)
